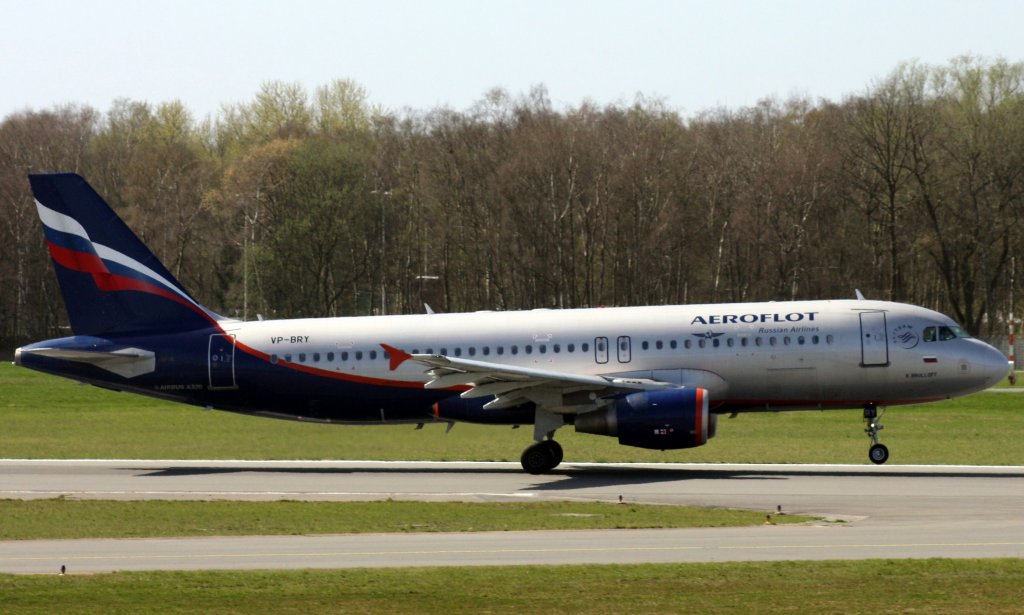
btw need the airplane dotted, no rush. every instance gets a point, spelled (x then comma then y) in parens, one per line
(654, 377)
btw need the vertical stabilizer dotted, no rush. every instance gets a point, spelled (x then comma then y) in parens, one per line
(111, 282)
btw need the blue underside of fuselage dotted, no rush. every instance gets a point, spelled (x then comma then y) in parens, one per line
(257, 387)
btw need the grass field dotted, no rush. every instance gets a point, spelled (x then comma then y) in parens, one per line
(46, 417)
(911, 586)
(63, 519)
(49, 417)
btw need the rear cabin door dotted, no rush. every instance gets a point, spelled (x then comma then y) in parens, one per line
(874, 343)
(222, 361)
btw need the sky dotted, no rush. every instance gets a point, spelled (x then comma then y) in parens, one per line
(693, 55)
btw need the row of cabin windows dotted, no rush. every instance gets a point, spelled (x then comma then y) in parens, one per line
(512, 350)
(372, 355)
(715, 342)
(730, 342)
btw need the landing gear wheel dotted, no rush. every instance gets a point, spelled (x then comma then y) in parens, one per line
(555, 450)
(878, 453)
(541, 457)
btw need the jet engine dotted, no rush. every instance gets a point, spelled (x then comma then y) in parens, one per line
(666, 419)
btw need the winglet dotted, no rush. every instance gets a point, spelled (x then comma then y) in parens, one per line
(397, 356)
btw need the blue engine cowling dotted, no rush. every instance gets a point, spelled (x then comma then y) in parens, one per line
(667, 419)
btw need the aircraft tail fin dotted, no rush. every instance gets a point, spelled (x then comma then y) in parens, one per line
(111, 282)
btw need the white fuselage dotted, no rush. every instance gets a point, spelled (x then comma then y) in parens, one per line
(779, 355)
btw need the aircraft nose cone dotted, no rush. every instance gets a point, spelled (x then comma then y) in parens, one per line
(994, 365)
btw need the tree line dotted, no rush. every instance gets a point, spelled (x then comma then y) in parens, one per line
(301, 204)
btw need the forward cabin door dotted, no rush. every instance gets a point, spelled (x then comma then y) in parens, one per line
(222, 361)
(874, 343)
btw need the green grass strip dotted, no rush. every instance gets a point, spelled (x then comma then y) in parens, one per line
(62, 518)
(878, 586)
(49, 417)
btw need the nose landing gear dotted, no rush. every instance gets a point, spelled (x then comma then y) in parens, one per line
(878, 453)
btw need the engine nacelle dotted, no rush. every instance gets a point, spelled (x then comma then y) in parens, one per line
(666, 419)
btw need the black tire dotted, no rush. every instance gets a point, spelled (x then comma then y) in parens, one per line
(536, 459)
(878, 454)
(556, 453)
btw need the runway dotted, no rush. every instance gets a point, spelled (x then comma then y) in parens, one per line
(876, 512)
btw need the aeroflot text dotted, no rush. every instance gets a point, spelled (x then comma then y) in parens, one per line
(731, 319)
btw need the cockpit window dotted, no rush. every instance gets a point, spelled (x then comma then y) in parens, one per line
(957, 332)
(942, 334)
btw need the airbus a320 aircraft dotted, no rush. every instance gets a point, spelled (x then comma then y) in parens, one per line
(653, 377)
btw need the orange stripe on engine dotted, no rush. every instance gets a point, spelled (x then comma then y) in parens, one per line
(701, 437)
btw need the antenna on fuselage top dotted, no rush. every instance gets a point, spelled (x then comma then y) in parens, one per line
(430, 310)
(860, 295)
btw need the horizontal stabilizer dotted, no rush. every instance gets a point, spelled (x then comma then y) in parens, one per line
(126, 362)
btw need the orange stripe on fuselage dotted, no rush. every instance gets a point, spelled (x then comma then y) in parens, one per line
(326, 373)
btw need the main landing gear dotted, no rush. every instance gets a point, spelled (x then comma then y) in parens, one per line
(541, 457)
(544, 454)
(878, 453)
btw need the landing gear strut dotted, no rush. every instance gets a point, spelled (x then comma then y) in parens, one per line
(541, 457)
(878, 453)
(544, 454)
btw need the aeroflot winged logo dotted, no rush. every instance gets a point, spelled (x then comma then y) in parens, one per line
(732, 319)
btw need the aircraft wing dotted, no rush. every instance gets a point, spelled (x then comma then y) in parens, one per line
(512, 385)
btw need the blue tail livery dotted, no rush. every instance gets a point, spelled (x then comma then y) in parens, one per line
(653, 377)
(111, 282)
